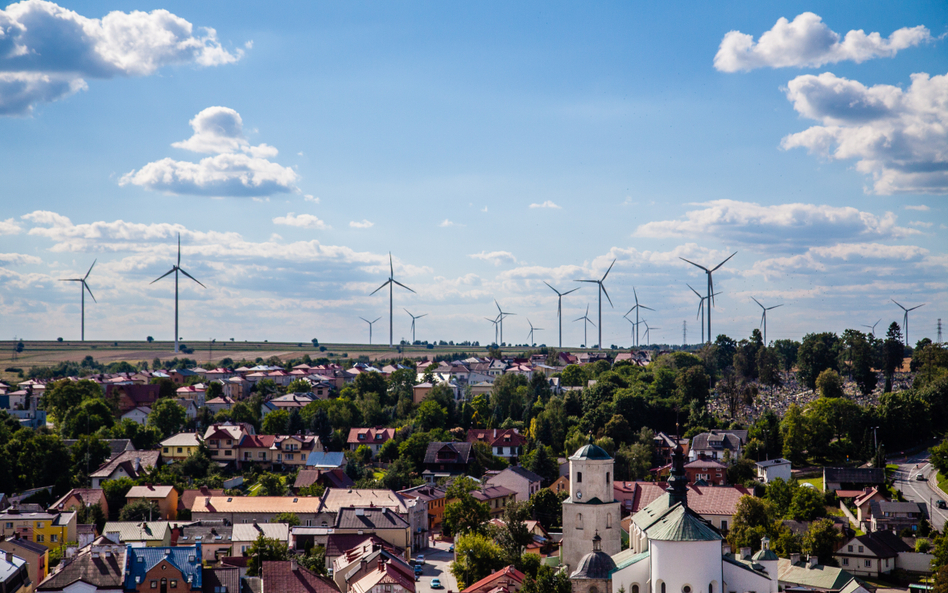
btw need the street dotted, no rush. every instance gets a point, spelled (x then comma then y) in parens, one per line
(437, 565)
(920, 492)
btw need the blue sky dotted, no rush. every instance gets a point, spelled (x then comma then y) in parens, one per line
(488, 146)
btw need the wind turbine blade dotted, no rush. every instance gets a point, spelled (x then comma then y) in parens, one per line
(694, 264)
(90, 268)
(692, 290)
(402, 285)
(391, 266)
(365, 320)
(191, 277)
(409, 312)
(724, 262)
(179, 249)
(551, 288)
(70, 279)
(758, 302)
(762, 317)
(86, 286)
(775, 306)
(603, 287)
(384, 284)
(899, 304)
(607, 271)
(644, 307)
(591, 322)
(163, 275)
(579, 319)
(630, 310)
(917, 306)
(592, 281)
(376, 319)
(569, 291)
(499, 310)
(422, 315)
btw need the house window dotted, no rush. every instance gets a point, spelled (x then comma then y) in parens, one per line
(9, 526)
(165, 450)
(868, 563)
(262, 455)
(39, 524)
(860, 549)
(609, 521)
(180, 450)
(635, 589)
(174, 583)
(579, 521)
(723, 524)
(154, 584)
(663, 587)
(54, 538)
(849, 548)
(289, 456)
(228, 453)
(40, 538)
(845, 561)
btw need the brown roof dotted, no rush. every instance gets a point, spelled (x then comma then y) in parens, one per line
(499, 578)
(127, 461)
(186, 500)
(377, 435)
(281, 577)
(704, 500)
(226, 577)
(88, 496)
(101, 572)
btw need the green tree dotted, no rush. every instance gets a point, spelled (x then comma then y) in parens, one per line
(271, 485)
(430, 415)
(514, 536)
(780, 494)
(167, 417)
(547, 508)
(115, 491)
(62, 396)
(892, 353)
(816, 354)
(691, 386)
(786, 353)
(463, 513)
(573, 376)
(940, 457)
(753, 519)
(806, 505)
(830, 384)
(87, 418)
(542, 461)
(820, 540)
(299, 386)
(265, 549)
(140, 510)
(291, 519)
(547, 580)
(276, 422)
(477, 556)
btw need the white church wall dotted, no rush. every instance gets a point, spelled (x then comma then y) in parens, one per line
(634, 574)
(686, 567)
(739, 579)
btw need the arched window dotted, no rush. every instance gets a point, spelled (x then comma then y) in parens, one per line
(607, 479)
(663, 586)
(579, 477)
(686, 589)
(710, 587)
(579, 521)
(594, 589)
(609, 521)
(635, 588)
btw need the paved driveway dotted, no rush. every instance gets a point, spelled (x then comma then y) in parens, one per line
(437, 564)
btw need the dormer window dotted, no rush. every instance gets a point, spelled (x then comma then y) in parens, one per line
(361, 436)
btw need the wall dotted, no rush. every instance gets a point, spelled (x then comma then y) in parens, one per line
(914, 562)
(703, 566)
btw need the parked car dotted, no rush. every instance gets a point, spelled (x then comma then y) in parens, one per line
(420, 559)
(451, 548)
(919, 478)
(418, 570)
(436, 584)
(941, 504)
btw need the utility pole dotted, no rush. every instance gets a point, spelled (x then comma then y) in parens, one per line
(939, 330)
(684, 332)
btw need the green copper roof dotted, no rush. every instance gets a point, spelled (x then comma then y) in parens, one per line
(820, 576)
(591, 451)
(764, 555)
(680, 525)
(647, 517)
(628, 558)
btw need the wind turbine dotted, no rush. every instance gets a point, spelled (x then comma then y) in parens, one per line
(413, 318)
(700, 308)
(872, 327)
(559, 307)
(585, 318)
(500, 317)
(711, 293)
(391, 282)
(175, 269)
(905, 318)
(647, 329)
(370, 326)
(83, 287)
(496, 322)
(602, 289)
(763, 318)
(634, 325)
(636, 309)
(533, 329)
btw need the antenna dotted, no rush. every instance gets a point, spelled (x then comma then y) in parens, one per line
(684, 332)
(175, 269)
(711, 293)
(391, 282)
(602, 289)
(939, 330)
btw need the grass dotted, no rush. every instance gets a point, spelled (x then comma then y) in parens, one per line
(942, 482)
(816, 482)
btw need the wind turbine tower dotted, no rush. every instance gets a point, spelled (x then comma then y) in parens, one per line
(500, 317)
(872, 327)
(636, 309)
(413, 318)
(391, 282)
(700, 314)
(602, 289)
(559, 307)
(711, 293)
(763, 318)
(83, 287)
(905, 317)
(496, 322)
(533, 329)
(175, 269)
(586, 320)
(370, 326)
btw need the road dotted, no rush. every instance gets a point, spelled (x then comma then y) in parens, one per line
(437, 564)
(920, 492)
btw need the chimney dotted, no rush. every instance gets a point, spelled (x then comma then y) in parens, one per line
(207, 501)
(293, 564)
(745, 553)
(381, 563)
(794, 559)
(726, 549)
(8, 556)
(812, 561)
(138, 463)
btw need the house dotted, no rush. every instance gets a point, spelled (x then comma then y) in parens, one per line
(181, 376)
(383, 523)
(433, 499)
(505, 580)
(215, 537)
(810, 575)
(222, 439)
(180, 446)
(352, 565)
(244, 535)
(862, 501)
(292, 450)
(446, 459)
(288, 577)
(53, 529)
(196, 393)
(186, 500)
(236, 387)
(769, 470)
(217, 404)
(894, 516)
(288, 402)
(560, 485)
(665, 446)
(715, 504)
(334, 478)
(98, 567)
(165, 569)
(84, 497)
(36, 556)
(130, 464)
(522, 481)
(222, 579)
(146, 533)
(14, 574)
(190, 408)
(495, 497)
(852, 478)
(335, 499)
(166, 497)
(138, 415)
(871, 554)
(374, 438)
(420, 392)
(507, 443)
(718, 444)
(326, 460)
(130, 396)
(260, 509)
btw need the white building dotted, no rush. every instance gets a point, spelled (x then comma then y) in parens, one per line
(772, 469)
(591, 509)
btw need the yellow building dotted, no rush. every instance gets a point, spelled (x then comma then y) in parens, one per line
(49, 529)
(180, 446)
(165, 496)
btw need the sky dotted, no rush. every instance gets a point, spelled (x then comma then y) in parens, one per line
(490, 147)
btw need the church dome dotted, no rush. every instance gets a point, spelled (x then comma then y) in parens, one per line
(590, 451)
(594, 565)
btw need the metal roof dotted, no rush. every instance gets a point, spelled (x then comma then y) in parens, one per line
(682, 525)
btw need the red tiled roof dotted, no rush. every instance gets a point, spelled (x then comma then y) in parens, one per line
(704, 500)
(186, 500)
(280, 577)
(377, 435)
(487, 583)
(261, 441)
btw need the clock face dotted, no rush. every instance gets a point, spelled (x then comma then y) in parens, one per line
(579, 494)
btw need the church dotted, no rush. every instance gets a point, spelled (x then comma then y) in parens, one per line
(672, 548)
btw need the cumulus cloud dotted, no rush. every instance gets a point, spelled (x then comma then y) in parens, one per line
(47, 52)
(310, 198)
(237, 169)
(365, 224)
(447, 223)
(899, 137)
(920, 208)
(807, 41)
(306, 221)
(786, 226)
(866, 257)
(495, 257)
(18, 259)
(9, 227)
(546, 204)
(924, 225)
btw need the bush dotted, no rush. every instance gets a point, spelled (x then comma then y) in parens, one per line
(59, 339)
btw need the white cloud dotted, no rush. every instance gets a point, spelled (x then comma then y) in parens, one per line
(807, 41)
(484, 209)
(495, 257)
(365, 224)
(867, 257)
(447, 223)
(898, 137)
(18, 259)
(47, 51)
(920, 208)
(924, 225)
(9, 227)
(238, 169)
(310, 198)
(546, 204)
(306, 221)
(782, 225)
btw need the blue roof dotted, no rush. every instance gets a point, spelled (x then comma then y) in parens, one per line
(331, 459)
(187, 559)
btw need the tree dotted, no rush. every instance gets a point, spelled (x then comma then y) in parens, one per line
(542, 461)
(399, 475)
(167, 416)
(140, 510)
(548, 580)
(476, 557)
(547, 508)
(115, 491)
(290, 519)
(276, 422)
(816, 354)
(753, 519)
(691, 386)
(806, 505)
(514, 536)
(265, 549)
(464, 513)
(940, 457)
(430, 415)
(892, 353)
(87, 418)
(573, 376)
(62, 396)
(299, 386)
(820, 540)
(780, 494)
(271, 484)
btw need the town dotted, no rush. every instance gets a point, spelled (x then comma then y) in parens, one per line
(801, 468)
